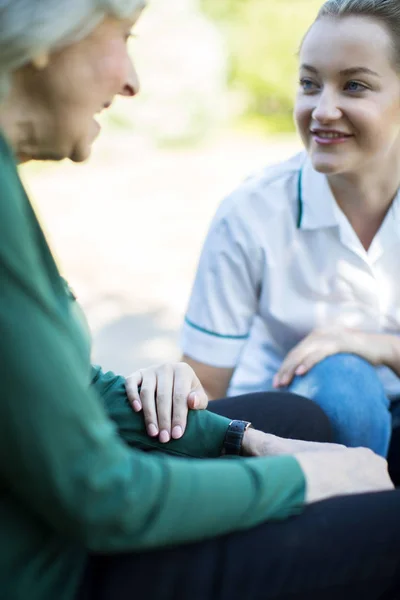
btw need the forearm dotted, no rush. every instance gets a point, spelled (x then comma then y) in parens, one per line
(203, 437)
(215, 380)
(61, 458)
(72, 470)
(212, 395)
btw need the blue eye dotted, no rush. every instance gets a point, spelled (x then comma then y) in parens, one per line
(354, 86)
(307, 85)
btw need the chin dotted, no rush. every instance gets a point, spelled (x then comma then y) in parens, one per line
(328, 165)
(325, 167)
(81, 152)
(80, 156)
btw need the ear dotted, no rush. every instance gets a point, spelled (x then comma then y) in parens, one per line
(40, 61)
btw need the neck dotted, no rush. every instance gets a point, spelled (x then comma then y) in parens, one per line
(366, 197)
(17, 122)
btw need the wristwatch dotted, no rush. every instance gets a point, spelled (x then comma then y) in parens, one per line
(232, 445)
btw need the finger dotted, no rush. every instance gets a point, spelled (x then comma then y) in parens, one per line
(286, 372)
(312, 359)
(147, 397)
(198, 399)
(276, 382)
(165, 385)
(132, 384)
(295, 360)
(183, 379)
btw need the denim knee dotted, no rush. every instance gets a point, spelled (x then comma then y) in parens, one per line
(350, 392)
(344, 373)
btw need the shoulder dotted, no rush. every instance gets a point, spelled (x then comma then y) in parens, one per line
(266, 196)
(270, 190)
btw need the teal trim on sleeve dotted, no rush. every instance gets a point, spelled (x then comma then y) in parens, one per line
(300, 199)
(218, 335)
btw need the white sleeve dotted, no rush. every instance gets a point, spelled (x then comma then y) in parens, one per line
(225, 294)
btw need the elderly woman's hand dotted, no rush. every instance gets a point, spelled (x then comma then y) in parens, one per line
(329, 469)
(351, 471)
(165, 393)
(256, 443)
(377, 349)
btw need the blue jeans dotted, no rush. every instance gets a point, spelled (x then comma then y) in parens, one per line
(351, 394)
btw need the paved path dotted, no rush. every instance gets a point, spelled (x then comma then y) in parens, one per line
(127, 229)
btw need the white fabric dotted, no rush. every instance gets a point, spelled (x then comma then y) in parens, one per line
(265, 281)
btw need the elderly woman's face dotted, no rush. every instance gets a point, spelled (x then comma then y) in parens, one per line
(78, 82)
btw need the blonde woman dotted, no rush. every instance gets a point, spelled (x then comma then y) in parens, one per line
(297, 286)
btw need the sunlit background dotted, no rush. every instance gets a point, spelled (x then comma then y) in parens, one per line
(218, 80)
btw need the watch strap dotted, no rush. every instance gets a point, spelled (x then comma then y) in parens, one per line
(232, 445)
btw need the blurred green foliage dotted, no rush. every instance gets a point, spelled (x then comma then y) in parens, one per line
(263, 37)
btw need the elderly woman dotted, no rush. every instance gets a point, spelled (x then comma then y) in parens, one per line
(84, 512)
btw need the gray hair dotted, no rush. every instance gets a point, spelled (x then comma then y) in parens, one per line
(31, 27)
(385, 11)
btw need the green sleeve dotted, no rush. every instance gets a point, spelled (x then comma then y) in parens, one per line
(63, 459)
(203, 437)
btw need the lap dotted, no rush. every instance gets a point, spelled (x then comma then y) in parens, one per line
(340, 549)
(280, 413)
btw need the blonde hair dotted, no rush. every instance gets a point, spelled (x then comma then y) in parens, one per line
(385, 11)
(30, 27)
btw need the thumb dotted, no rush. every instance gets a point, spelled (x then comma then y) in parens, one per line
(197, 399)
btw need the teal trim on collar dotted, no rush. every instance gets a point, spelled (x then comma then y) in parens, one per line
(300, 199)
(218, 335)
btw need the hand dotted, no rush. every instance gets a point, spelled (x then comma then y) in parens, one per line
(377, 349)
(166, 393)
(257, 443)
(350, 471)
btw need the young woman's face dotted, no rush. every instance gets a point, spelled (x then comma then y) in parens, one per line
(78, 82)
(348, 105)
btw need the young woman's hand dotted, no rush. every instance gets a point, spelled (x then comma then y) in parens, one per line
(165, 393)
(377, 349)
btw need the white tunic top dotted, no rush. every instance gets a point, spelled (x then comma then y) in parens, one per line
(280, 260)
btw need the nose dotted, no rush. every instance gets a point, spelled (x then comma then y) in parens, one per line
(131, 86)
(326, 108)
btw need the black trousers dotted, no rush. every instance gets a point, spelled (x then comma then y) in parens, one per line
(344, 548)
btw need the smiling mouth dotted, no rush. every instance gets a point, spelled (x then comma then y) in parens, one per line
(105, 106)
(330, 135)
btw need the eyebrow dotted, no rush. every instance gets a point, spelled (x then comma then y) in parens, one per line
(345, 72)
